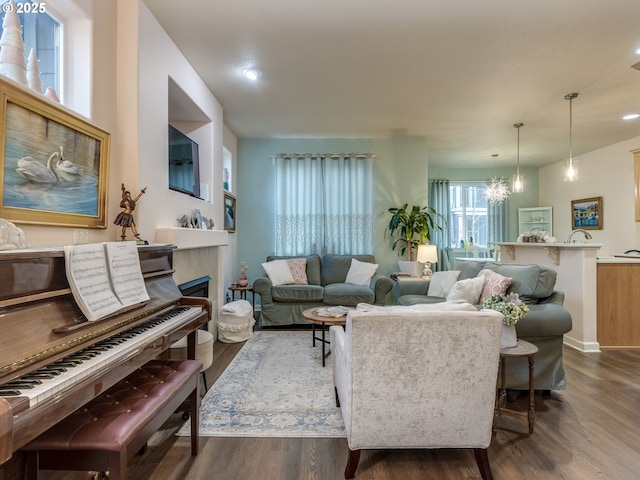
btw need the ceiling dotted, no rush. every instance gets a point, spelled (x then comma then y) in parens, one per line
(458, 73)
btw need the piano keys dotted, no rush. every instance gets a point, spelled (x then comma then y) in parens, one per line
(52, 361)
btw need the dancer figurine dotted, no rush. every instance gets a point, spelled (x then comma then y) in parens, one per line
(125, 218)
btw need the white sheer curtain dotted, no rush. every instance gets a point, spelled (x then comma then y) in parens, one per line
(324, 204)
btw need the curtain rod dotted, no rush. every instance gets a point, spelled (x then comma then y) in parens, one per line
(322, 155)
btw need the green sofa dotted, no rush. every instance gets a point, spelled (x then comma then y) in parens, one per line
(284, 304)
(544, 325)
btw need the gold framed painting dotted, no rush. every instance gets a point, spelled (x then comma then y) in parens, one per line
(586, 213)
(54, 165)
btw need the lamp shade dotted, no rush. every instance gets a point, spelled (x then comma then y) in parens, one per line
(427, 254)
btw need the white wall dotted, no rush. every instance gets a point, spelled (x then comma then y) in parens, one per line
(607, 173)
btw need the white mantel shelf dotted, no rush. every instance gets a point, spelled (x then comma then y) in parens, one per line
(187, 238)
(553, 249)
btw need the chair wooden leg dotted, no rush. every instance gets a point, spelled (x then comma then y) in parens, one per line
(337, 398)
(482, 459)
(352, 463)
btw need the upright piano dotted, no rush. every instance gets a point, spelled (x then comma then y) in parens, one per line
(53, 361)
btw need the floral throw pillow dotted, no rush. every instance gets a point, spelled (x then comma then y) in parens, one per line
(493, 283)
(298, 267)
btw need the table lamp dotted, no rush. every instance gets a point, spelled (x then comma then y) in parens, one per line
(427, 254)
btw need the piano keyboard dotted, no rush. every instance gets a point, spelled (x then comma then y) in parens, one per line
(47, 382)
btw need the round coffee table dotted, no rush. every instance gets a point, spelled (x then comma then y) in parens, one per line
(311, 316)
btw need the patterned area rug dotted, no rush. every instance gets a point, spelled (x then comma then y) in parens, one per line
(274, 387)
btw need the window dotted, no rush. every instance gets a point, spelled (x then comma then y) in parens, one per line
(41, 32)
(468, 214)
(324, 204)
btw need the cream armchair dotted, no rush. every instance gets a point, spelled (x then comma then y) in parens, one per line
(417, 377)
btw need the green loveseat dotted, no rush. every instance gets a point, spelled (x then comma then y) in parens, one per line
(284, 304)
(544, 325)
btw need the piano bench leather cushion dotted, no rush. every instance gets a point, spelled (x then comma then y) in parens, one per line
(136, 406)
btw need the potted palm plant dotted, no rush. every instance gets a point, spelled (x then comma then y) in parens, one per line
(410, 227)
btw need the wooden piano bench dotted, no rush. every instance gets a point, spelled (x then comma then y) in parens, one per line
(113, 427)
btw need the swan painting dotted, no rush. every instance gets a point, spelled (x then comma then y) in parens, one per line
(36, 172)
(66, 165)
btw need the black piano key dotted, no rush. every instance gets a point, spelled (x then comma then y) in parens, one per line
(9, 393)
(14, 385)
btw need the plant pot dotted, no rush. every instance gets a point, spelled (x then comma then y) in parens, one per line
(509, 337)
(243, 281)
(412, 268)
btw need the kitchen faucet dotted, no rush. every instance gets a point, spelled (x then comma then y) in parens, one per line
(587, 235)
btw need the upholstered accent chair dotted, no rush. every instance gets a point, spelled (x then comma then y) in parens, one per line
(422, 376)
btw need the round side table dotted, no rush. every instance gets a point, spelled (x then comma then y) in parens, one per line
(523, 349)
(242, 293)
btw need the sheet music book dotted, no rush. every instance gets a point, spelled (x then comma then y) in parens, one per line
(105, 277)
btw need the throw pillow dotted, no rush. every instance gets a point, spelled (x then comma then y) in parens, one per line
(441, 283)
(360, 273)
(298, 267)
(493, 283)
(468, 290)
(278, 272)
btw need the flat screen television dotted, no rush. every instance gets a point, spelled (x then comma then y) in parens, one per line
(184, 163)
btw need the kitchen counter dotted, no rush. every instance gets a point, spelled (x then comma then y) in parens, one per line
(618, 302)
(554, 250)
(575, 264)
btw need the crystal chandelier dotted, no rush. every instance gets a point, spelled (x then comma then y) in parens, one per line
(497, 191)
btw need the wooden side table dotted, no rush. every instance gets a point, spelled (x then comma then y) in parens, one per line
(311, 316)
(242, 294)
(521, 350)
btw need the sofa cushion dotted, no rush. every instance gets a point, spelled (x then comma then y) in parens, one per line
(412, 299)
(441, 282)
(336, 267)
(530, 282)
(467, 290)
(361, 273)
(469, 268)
(347, 294)
(278, 272)
(493, 283)
(297, 293)
(313, 266)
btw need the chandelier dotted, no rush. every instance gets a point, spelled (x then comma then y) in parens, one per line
(497, 191)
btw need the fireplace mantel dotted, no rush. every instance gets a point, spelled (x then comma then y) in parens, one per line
(187, 238)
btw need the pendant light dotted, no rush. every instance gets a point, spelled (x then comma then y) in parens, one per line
(518, 182)
(570, 166)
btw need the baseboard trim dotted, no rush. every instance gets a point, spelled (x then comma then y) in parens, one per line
(585, 347)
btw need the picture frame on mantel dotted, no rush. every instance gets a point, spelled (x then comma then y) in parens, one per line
(586, 213)
(229, 212)
(53, 163)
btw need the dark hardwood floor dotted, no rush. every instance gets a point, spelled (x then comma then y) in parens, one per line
(588, 431)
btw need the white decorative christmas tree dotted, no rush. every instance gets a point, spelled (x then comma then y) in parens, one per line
(12, 62)
(33, 72)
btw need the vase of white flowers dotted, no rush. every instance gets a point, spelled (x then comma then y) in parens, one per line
(513, 310)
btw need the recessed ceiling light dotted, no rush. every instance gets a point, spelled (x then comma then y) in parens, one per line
(631, 116)
(251, 73)
(638, 51)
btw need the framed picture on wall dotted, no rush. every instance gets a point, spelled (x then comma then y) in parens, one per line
(53, 164)
(229, 212)
(586, 213)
